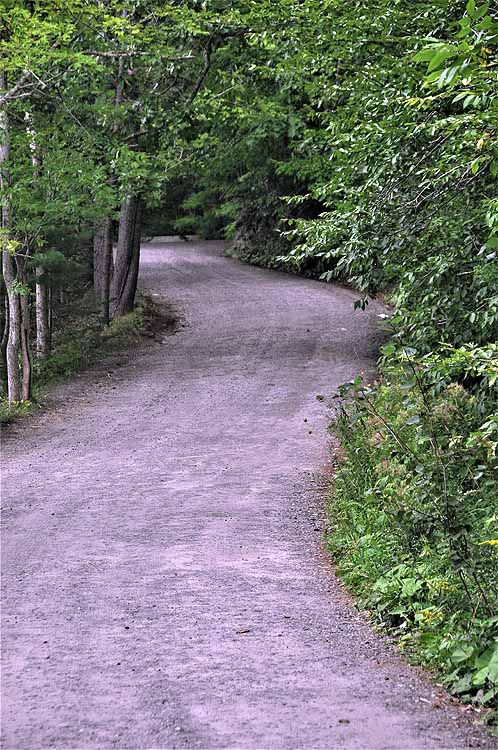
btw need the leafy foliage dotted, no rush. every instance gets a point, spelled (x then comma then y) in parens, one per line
(413, 513)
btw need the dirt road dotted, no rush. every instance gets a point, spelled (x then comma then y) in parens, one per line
(164, 585)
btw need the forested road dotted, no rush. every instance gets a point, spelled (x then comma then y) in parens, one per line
(163, 579)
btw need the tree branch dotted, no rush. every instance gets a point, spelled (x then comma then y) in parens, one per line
(14, 91)
(134, 53)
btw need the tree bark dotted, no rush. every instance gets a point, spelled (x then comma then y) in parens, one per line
(24, 333)
(102, 265)
(13, 347)
(43, 337)
(5, 323)
(124, 282)
(102, 241)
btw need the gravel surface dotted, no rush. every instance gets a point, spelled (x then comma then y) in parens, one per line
(164, 580)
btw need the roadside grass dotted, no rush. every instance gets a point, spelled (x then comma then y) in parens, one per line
(81, 341)
(413, 527)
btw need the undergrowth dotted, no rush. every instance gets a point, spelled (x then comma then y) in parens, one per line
(81, 341)
(414, 516)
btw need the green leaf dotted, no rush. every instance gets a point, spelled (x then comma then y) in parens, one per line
(493, 666)
(408, 385)
(471, 7)
(426, 54)
(410, 586)
(481, 676)
(462, 653)
(443, 54)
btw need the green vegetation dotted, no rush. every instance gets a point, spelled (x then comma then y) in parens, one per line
(413, 513)
(101, 105)
(370, 154)
(81, 341)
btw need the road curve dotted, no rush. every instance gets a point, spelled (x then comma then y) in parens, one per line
(163, 579)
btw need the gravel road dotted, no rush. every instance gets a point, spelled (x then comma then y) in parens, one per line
(164, 581)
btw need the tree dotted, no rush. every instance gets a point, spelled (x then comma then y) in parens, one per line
(28, 42)
(137, 71)
(13, 321)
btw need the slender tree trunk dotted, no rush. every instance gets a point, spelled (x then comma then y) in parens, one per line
(102, 242)
(5, 331)
(50, 306)
(13, 347)
(124, 282)
(43, 338)
(102, 265)
(24, 337)
(4, 301)
(41, 307)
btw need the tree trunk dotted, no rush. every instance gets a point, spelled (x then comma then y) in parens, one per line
(13, 347)
(124, 282)
(50, 310)
(24, 337)
(5, 326)
(102, 265)
(102, 241)
(43, 338)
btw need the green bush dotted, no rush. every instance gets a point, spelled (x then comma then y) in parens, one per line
(10, 412)
(414, 514)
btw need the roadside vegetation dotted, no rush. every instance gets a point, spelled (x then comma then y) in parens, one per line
(353, 141)
(412, 515)
(81, 341)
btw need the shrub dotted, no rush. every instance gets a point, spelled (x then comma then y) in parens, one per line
(413, 510)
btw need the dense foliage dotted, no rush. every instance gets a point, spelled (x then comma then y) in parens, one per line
(413, 522)
(100, 104)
